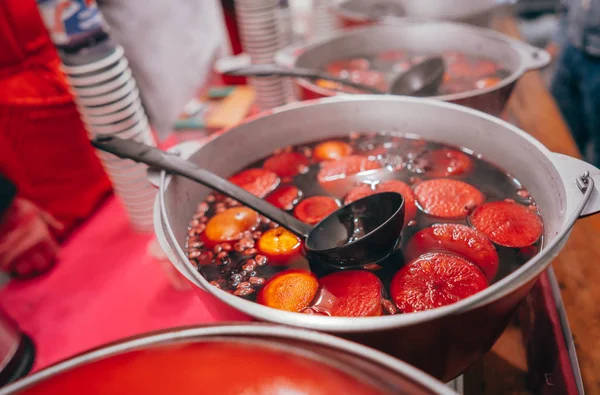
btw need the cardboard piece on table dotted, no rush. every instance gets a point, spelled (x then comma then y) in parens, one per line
(234, 108)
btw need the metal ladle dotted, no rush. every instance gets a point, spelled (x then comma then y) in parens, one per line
(365, 231)
(422, 79)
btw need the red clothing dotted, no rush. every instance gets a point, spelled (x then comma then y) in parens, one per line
(44, 147)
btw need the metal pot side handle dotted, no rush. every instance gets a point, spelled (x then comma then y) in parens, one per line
(578, 176)
(533, 58)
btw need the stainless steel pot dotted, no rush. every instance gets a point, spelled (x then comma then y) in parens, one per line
(17, 351)
(443, 341)
(428, 37)
(386, 373)
(361, 12)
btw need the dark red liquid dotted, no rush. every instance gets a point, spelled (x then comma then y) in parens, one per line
(239, 267)
(463, 72)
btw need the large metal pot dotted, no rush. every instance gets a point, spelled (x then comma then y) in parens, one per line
(428, 37)
(131, 366)
(442, 341)
(366, 12)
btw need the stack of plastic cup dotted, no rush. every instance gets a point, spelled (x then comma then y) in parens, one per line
(109, 102)
(261, 37)
(323, 22)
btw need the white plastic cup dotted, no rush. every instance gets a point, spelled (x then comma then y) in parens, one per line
(104, 87)
(108, 98)
(139, 132)
(93, 79)
(137, 199)
(119, 126)
(141, 212)
(95, 66)
(113, 107)
(113, 117)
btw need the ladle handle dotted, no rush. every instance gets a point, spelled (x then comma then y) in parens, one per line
(266, 70)
(155, 157)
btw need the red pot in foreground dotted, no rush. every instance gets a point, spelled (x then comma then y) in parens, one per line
(230, 359)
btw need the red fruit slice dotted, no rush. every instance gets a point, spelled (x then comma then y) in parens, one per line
(435, 280)
(279, 244)
(445, 198)
(287, 164)
(284, 197)
(231, 224)
(445, 162)
(406, 191)
(258, 182)
(332, 150)
(315, 208)
(290, 290)
(457, 239)
(351, 293)
(344, 167)
(508, 223)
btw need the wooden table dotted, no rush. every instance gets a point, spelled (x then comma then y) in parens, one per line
(577, 268)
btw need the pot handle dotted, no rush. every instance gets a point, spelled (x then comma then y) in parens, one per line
(577, 176)
(533, 58)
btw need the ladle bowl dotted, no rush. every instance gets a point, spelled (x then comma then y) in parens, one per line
(364, 231)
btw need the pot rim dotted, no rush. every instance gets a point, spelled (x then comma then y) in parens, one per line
(531, 58)
(340, 10)
(234, 330)
(520, 277)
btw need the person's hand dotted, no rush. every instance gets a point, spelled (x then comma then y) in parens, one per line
(27, 248)
(553, 49)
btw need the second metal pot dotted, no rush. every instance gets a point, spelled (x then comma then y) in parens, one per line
(428, 38)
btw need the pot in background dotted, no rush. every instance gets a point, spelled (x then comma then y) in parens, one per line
(426, 37)
(172, 362)
(367, 12)
(443, 341)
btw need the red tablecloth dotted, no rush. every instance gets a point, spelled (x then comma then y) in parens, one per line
(104, 288)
